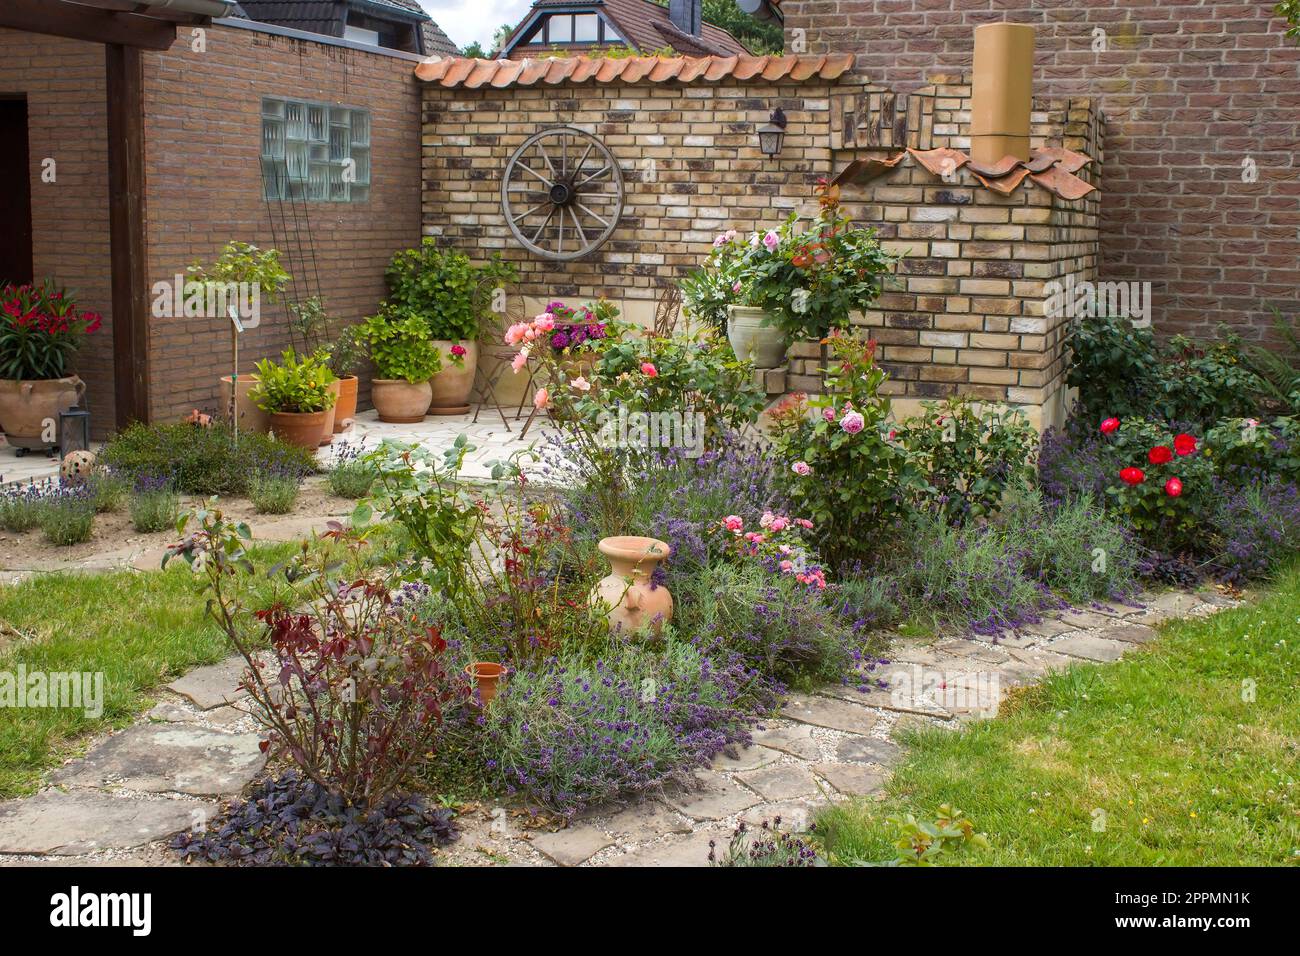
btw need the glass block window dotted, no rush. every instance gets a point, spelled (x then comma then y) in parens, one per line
(315, 152)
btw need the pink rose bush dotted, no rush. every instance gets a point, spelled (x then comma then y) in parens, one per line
(779, 542)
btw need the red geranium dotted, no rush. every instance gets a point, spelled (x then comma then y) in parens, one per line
(1184, 444)
(1160, 455)
(1173, 487)
(1132, 476)
(1109, 425)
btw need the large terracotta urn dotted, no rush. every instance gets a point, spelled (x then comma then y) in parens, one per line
(754, 337)
(634, 603)
(453, 383)
(399, 401)
(345, 409)
(247, 414)
(29, 408)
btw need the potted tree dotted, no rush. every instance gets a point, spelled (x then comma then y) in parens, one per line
(452, 296)
(41, 328)
(243, 274)
(405, 359)
(789, 282)
(297, 393)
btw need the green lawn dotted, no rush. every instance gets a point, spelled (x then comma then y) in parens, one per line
(140, 629)
(1161, 759)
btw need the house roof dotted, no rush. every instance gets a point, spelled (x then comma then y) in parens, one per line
(323, 16)
(647, 26)
(472, 74)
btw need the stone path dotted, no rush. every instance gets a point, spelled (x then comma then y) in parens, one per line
(168, 772)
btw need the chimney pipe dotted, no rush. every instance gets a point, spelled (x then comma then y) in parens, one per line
(686, 15)
(1002, 92)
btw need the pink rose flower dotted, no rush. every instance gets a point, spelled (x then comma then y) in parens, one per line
(803, 523)
(519, 361)
(735, 287)
(828, 414)
(771, 240)
(580, 384)
(541, 399)
(786, 565)
(458, 351)
(733, 523)
(801, 468)
(648, 370)
(544, 322)
(852, 422)
(515, 334)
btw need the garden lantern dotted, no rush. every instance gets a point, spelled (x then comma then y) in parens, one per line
(74, 431)
(771, 134)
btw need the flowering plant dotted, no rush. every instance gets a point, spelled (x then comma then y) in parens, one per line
(808, 279)
(1162, 489)
(778, 541)
(579, 330)
(40, 329)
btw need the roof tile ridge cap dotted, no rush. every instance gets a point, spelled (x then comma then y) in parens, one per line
(720, 66)
(668, 67)
(432, 68)
(481, 73)
(834, 64)
(566, 65)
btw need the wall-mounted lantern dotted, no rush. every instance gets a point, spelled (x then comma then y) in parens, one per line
(771, 134)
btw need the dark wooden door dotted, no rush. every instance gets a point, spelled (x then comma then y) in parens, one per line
(15, 195)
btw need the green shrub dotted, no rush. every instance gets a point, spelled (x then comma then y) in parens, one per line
(273, 494)
(68, 518)
(293, 384)
(154, 509)
(443, 289)
(351, 476)
(400, 346)
(1077, 550)
(201, 461)
(20, 508)
(109, 491)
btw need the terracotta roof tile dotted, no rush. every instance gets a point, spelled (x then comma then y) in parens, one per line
(1053, 169)
(1066, 159)
(1064, 184)
(1005, 184)
(940, 161)
(454, 72)
(996, 170)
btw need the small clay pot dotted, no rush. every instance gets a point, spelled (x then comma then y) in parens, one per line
(453, 384)
(298, 428)
(399, 401)
(345, 410)
(486, 676)
(634, 604)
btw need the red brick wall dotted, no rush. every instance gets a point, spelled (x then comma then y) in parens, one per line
(203, 135)
(63, 81)
(1190, 89)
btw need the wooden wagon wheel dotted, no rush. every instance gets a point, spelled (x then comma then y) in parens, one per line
(562, 193)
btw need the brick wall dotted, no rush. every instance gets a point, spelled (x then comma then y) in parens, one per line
(1190, 89)
(203, 141)
(63, 81)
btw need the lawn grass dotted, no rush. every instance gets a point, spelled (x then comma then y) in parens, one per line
(1160, 759)
(139, 629)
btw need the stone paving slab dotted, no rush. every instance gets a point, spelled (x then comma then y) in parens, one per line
(1089, 648)
(795, 740)
(690, 849)
(882, 753)
(71, 824)
(883, 699)
(850, 779)
(161, 758)
(1128, 633)
(716, 799)
(782, 782)
(794, 815)
(213, 686)
(1164, 607)
(829, 712)
(1085, 620)
(646, 821)
(750, 758)
(573, 845)
(1047, 627)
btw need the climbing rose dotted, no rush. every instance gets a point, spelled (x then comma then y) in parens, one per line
(648, 370)
(1184, 444)
(801, 468)
(852, 422)
(1132, 476)
(1173, 487)
(541, 399)
(1109, 425)
(1160, 455)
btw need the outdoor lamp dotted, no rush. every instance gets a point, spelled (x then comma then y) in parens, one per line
(74, 431)
(771, 134)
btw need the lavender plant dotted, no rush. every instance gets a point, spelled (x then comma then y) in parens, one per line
(67, 516)
(351, 475)
(768, 845)
(154, 504)
(21, 506)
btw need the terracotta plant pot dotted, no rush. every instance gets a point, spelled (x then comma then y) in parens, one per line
(634, 604)
(250, 417)
(29, 409)
(753, 339)
(345, 410)
(452, 385)
(327, 433)
(398, 401)
(486, 676)
(298, 428)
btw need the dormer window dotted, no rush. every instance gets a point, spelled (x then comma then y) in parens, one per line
(566, 28)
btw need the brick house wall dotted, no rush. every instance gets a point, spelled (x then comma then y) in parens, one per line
(203, 187)
(1190, 89)
(63, 82)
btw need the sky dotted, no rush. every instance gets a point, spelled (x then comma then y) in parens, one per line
(468, 20)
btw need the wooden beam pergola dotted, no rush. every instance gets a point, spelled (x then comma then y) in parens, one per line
(125, 28)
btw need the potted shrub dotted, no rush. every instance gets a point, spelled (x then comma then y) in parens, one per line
(452, 296)
(41, 328)
(790, 282)
(297, 393)
(346, 354)
(240, 269)
(405, 359)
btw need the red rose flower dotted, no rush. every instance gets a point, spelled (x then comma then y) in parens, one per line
(1173, 487)
(1160, 455)
(1184, 444)
(1110, 425)
(1132, 476)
